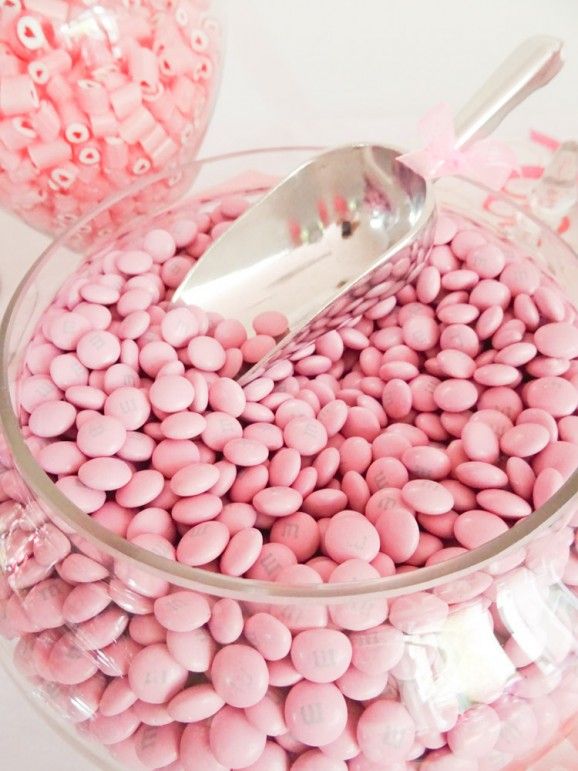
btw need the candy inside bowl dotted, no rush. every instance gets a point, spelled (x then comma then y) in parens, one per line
(96, 95)
(320, 570)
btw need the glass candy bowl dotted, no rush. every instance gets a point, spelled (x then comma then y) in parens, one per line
(490, 684)
(96, 95)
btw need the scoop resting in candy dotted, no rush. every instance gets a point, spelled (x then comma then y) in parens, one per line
(348, 228)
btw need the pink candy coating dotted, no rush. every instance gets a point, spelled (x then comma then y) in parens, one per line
(171, 393)
(427, 497)
(475, 527)
(234, 741)
(182, 611)
(398, 533)
(476, 732)
(321, 655)
(350, 536)
(101, 436)
(385, 732)
(240, 675)
(155, 676)
(315, 713)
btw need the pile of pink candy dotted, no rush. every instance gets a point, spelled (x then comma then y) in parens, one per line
(93, 96)
(425, 429)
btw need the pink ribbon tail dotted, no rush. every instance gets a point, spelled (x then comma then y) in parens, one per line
(488, 161)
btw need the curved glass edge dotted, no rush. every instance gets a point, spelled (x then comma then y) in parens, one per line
(87, 750)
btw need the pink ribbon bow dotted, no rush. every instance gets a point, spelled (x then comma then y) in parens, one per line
(488, 161)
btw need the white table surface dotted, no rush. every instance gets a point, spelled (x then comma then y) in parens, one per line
(331, 71)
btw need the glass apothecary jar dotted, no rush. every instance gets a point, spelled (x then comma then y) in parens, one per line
(96, 95)
(466, 665)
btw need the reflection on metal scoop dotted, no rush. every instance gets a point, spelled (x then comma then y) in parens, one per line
(346, 230)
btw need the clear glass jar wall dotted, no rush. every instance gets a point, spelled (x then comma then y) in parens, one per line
(96, 95)
(490, 633)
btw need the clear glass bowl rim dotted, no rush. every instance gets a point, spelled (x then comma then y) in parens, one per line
(50, 498)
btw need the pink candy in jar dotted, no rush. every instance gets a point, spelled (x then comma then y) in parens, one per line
(94, 96)
(434, 424)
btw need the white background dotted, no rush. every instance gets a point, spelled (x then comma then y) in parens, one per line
(331, 71)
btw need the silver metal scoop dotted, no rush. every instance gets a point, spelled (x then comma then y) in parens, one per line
(347, 229)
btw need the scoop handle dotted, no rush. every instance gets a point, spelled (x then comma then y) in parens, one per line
(532, 65)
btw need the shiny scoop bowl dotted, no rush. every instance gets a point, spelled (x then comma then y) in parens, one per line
(346, 230)
(309, 248)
